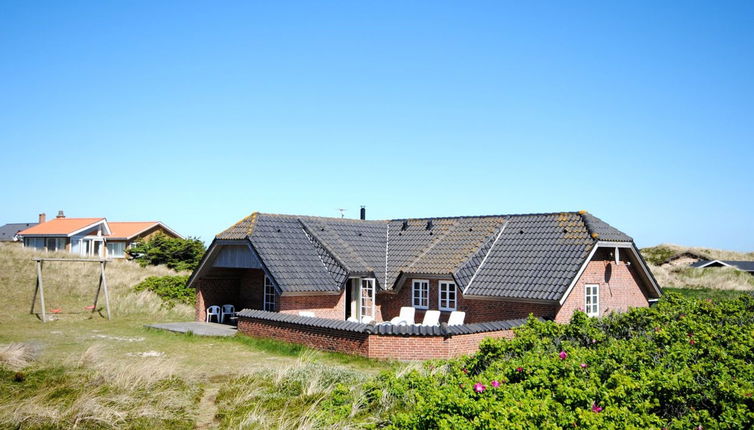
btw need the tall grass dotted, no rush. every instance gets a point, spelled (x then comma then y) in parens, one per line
(71, 286)
(94, 393)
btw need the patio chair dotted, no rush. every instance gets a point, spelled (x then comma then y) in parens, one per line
(213, 311)
(306, 314)
(229, 310)
(431, 318)
(406, 316)
(456, 318)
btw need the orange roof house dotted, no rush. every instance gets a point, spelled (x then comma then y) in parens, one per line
(90, 236)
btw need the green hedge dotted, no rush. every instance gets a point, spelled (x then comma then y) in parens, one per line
(172, 289)
(683, 364)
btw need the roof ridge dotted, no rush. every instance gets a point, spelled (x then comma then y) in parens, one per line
(310, 231)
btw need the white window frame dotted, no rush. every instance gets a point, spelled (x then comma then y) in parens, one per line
(268, 303)
(449, 287)
(592, 307)
(367, 297)
(420, 293)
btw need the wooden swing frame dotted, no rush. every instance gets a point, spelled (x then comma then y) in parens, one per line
(39, 289)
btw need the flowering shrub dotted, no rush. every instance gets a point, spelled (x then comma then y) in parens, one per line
(682, 364)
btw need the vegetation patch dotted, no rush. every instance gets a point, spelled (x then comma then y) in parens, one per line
(172, 289)
(174, 252)
(657, 254)
(682, 364)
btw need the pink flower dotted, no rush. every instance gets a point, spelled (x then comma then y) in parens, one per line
(465, 371)
(479, 387)
(583, 365)
(519, 369)
(596, 409)
(692, 341)
(563, 355)
(594, 340)
(495, 384)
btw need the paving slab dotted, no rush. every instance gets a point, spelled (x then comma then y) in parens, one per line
(197, 328)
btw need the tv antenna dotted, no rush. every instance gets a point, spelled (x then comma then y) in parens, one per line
(342, 212)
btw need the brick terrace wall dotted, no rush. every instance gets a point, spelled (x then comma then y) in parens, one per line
(620, 287)
(330, 306)
(476, 310)
(321, 338)
(214, 292)
(369, 345)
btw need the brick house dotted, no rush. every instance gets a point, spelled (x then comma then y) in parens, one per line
(494, 268)
(94, 237)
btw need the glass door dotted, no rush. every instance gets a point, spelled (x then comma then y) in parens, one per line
(366, 299)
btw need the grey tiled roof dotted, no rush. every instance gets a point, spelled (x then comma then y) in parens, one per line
(536, 257)
(602, 230)
(8, 231)
(746, 266)
(533, 256)
(385, 329)
(289, 255)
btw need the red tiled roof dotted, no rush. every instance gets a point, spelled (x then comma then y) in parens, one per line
(60, 226)
(129, 229)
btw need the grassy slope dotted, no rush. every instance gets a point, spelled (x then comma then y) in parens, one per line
(694, 282)
(86, 370)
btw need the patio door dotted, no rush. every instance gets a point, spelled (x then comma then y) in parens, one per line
(360, 298)
(366, 298)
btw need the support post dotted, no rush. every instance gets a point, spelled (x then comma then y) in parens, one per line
(40, 286)
(104, 286)
(96, 295)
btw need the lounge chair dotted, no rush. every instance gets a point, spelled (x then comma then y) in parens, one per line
(431, 318)
(456, 318)
(406, 316)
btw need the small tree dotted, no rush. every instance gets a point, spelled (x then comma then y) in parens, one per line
(176, 253)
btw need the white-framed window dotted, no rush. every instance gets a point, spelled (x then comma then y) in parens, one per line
(447, 296)
(420, 294)
(592, 299)
(269, 295)
(116, 249)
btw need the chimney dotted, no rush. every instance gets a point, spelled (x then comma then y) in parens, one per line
(42, 218)
(363, 212)
(60, 214)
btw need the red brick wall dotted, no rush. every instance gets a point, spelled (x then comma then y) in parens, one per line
(251, 292)
(369, 345)
(501, 310)
(315, 337)
(476, 310)
(620, 287)
(324, 306)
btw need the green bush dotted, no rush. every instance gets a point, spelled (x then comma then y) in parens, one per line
(172, 289)
(657, 254)
(682, 364)
(176, 253)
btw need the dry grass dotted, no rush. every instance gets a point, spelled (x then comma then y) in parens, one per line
(97, 394)
(16, 356)
(70, 286)
(682, 276)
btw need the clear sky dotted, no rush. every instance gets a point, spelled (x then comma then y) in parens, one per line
(199, 113)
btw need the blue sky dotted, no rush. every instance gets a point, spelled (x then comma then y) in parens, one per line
(199, 113)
